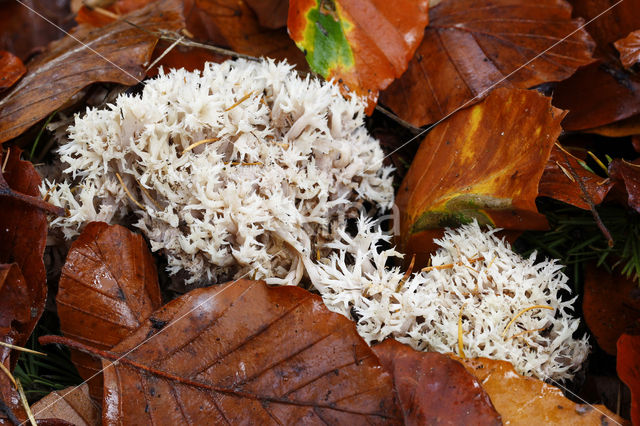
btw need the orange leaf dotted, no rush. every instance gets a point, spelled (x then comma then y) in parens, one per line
(629, 48)
(470, 46)
(628, 367)
(482, 163)
(523, 400)
(434, 389)
(11, 69)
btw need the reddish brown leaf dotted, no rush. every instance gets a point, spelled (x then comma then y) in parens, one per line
(73, 405)
(627, 176)
(23, 232)
(482, 163)
(108, 287)
(627, 127)
(628, 367)
(629, 48)
(560, 181)
(73, 66)
(363, 44)
(15, 308)
(434, 389)
(11, 69)
(524, 400)
(611, 303)
(244, 352)
(97, 18)
(270, 13)
(469, 47)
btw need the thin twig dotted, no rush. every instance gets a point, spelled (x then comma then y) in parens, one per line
(413, 129)
(9, 413)
(167, 50)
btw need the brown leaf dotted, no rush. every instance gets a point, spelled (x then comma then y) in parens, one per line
(611, 303)
(482, 163)
(628, 367)
(560, 181)
(270, 13)
(73, 405)
(629, 48)
(108, 287)
(434, 389)
(627, 176)
(72, 65)
(470, 46)
(11, 69)
(524, 400)
(23, 232)
(626, 127)
(244, 352)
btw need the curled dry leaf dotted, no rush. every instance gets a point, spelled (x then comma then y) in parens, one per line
(560, 181)
(11, 69)
(73, 405)
(72, 63)
(365, 44)
(244, 352)
(469, 47)
(611, 304)
(482, 163)
(432, 388)
(108, 287)
(524, 400)
(628, 367)
(629, 48)
(627, 176)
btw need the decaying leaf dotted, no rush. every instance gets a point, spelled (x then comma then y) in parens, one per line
(524, 400)
(364, 44)
(108, 287)
(628, 367)
(270, 13)
(627, 175)
(469, 47)
(482, 163)
(629, 48)
(73, 63)
(434, 389)
(73, 405)
(11, 69)
(565, 178)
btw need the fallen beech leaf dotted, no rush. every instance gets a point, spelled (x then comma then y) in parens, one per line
(626, 127)
(108, 287)
(11, 69)
(629, 48)
(627, 175)
(23, 232)
(364, 44)
(560, 181)
(482, 163)
(244, 352)
(524, 400)
(73, 65)
(469, 47)
(611, 303)
(97, 18)
(434, 389)
(73, 405)
(270, 13)
(15, 310)
(628, 367)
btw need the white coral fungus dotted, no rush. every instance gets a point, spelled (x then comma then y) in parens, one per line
(230, 170)
(509, 307)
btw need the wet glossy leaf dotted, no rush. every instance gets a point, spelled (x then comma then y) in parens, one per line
(629, 48)
(628, 367)
(244, 352)
(524, 400)
(365, 44)
(482, 163)
(108, 287)
(560, 181)
(73, 66)
(469, 47)
(434, 389)
(73, 405)
(11, 69)
(611, 303)
(627, 175)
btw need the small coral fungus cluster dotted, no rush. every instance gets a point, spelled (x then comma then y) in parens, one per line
(240, 170)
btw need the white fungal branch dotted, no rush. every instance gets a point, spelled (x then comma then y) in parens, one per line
(481, 273)
(280, 154)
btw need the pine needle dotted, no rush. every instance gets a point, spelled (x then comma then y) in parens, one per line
(20, 348)
(25, 403)
(203, 141)
(522, 312)
(460, 342)
(129, 193)
(8, 373)
(6, 158)
(241, 100)
(598, 162)
(451, 265)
